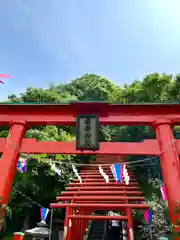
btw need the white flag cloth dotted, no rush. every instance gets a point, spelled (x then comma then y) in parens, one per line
(113, 170)
(76, 173)
(104, 175)
(126, 175)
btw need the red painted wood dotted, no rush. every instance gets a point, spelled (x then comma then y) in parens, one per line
(128, 212)
(104, 201)
(102, 198)
(117, 148)
(100, 206)
(105, 158)
(94, 217)
(100, 177)
(104, 187)
(9, 159)
(95, 173)
(100, 184)
(170, 165)
(100, 180)
(69, 193)
(109, 114)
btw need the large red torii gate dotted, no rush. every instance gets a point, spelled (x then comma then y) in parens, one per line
(160, 116)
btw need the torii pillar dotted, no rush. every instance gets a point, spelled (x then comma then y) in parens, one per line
(170, 166)
(9, 159)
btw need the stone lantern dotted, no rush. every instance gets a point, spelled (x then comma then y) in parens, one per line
(41, 232)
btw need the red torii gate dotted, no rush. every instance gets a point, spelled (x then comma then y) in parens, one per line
(100, 196)
(160, 116)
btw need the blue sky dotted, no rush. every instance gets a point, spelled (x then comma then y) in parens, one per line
(55, 41)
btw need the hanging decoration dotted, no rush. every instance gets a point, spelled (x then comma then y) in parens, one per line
(76, 173)
(148, 219)
(44, 213)
(163, 192)
(118, 169)
(113, 170)
(4, 76)
(104, 175)
(125, 175)
(22, 165)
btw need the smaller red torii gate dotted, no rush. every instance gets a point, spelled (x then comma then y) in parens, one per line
(162, 117)
(83, 203)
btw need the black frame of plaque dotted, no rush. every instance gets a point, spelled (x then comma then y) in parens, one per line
(78, 146)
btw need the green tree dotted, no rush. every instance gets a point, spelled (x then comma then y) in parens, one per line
(91, 87)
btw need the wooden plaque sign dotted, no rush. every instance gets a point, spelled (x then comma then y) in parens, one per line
(87, 132)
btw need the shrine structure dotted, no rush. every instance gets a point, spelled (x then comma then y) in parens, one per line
(95, 194)
(162, 117)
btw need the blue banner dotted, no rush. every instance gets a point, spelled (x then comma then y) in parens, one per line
(118, 170)
(44, 212)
